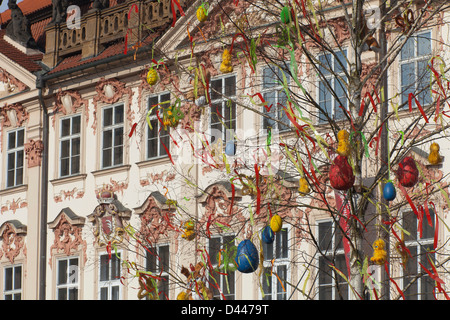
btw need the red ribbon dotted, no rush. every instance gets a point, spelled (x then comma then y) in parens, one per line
(393, 281)
(174, 14)
(410, 96)
(133, 129)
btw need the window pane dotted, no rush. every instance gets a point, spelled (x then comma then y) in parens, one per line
(64, 167)
(104, 268)
(151, 260)
(62, 294)
(214, 247)
(164, 258)
(281, 249)
(424, 44)
(8, 279)
(152, 148)
(115, 268)
(410, 225)
(11, 140)
(19, 176)
(103, 293)
(115, 293)
(268, 251)
(18, 277)
(73, 294)
(11, 160)
(75, 146)
(267, 283)
(325, 236)
(75, 165)
(107, 117)
(166, 141)
(326, 63)
(230, 86)
(407, 51)
(216, 89)
(118, 136)
(76, 124)
(281, 286)
(65, 148)
(65, 127)
(20, 138)
(426, 282)
(19, 155)
(118, 114)
(107, 139)
(62, 272)
(427, 229)
(409, 273)
(118, 155)
(107, 158)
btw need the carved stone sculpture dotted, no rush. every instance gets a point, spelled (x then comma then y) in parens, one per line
(100, 4)
(19, 28)
(59, 11)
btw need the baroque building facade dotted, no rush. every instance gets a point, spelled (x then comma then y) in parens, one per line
(95, 190)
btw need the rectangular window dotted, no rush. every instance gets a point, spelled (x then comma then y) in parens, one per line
(15, 158)
(422, 251)
(275, 97)
(276, 262)
(67, 279)
(332, 86)
(331, 285)
(414, 74)
(112, 136)
(70, 146)
(225, 281)
(158, 262)
(12, 289)
(158, 136)
(223, 108)
(110, 272)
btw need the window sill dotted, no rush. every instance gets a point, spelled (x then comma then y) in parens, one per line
(153, 162)
(112, 170)
(16, 189)
(68, 179)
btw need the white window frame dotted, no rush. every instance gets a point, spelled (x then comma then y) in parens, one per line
(69, 137)
(14, 291)
(416, 59)
(330, 252)
(158, 127)
(161, 273)
(222, 281)
(114, 126)
(333, 79)
(16, 149)
(223, 100)
(70, 276)
(110, 283)
(418, 244)
(276, 288)
(277, 88)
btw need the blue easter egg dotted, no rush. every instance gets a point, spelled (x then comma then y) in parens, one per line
(230, 148)
(389, 192)
(247, 258)
(267, 235)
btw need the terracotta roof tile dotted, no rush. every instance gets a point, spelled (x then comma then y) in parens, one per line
(26, 61)
(27, 7)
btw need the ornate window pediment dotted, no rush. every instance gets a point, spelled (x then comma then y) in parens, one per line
(12, 234)
(67, 228)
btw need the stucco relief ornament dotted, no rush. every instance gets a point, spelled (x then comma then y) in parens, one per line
(108, 219)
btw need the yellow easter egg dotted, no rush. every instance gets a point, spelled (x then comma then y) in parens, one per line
(201, 14)
(152, 76)
(276, 223)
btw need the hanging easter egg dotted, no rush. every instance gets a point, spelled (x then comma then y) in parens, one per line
(230, 148)
(276, 223)
(344, 144)
(389, 192)
(247, 257)
(225, 66)
(407, 172)
(341, 174)
(285, 15)
(201, 14)
(152, 76)
(434, 157)
(303, 186)
(267, 235)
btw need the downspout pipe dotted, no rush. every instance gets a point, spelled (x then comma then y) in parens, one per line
(40, 84)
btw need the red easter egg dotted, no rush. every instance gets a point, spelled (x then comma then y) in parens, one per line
(407, 172)
(341, 174)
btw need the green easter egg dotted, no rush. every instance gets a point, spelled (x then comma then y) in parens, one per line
(285, 15)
